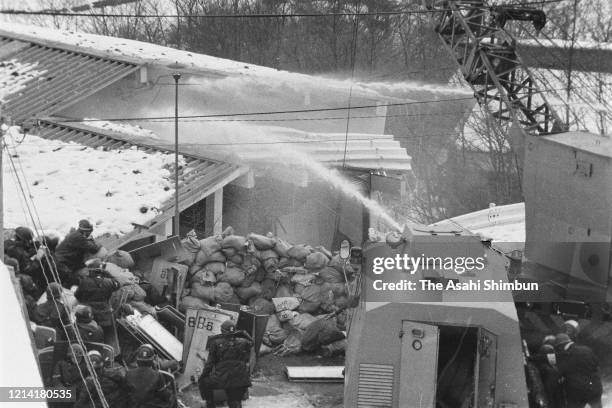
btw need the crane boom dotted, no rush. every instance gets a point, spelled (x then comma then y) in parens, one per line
(474, 35)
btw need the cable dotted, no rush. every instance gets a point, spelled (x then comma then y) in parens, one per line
(254, 15)
(64, 326)
(55, 274)
(218, 115)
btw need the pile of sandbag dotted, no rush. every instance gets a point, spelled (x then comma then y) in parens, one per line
(294, 284)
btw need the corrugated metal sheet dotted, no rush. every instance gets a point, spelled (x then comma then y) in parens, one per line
(37, 80)
(363, 151)
(375, 386)
(199, 178)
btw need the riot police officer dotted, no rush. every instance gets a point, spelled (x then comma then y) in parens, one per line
(147, 387)
(227, 366)
(87, 326)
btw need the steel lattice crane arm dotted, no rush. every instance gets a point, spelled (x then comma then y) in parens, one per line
(474, 34)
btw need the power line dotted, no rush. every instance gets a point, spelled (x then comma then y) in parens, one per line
(253, 15)
(284, 112)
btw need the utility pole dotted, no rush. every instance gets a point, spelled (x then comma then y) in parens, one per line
(177, 210)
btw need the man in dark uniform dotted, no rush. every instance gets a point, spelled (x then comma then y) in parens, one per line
(579, 368)
(71, 252)
(87, 326)
(21, 248)
(95, 289)
(70, 373)
(146, 385)
(112, 384)
(53, 313)
(227, 366)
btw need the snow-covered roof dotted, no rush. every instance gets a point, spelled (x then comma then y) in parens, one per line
(116, 183)
(141, 53)
(36, 80)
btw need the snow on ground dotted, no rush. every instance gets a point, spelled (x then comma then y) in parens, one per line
(68, 182)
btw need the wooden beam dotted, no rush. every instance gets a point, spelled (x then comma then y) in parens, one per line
(213, 223)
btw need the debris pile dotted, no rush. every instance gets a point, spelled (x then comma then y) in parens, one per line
(305, 290)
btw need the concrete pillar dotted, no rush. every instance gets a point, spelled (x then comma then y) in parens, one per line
(213, 223)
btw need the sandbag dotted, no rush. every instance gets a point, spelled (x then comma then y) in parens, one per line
(211, 244)
(121, 258)
(338, 264)
(283, 291)
(268, 289)
(327, 301)
(283, 262)
(193, 269)
(295, 270)
(121, 275)
(299, 252)
(277, 275)
(234, 299)
(234, 276)
(298, 289)
(223, 292)
(315, 261)
(237, 242)
(311, 299)
(342, 318)
(204, 277)
(261, 306)
(246, 293)
(341, 302)
(261, 242)
(215, 267)
(294, 262)
(302, 320)
(334, 349)
(274, 333)
(303, 279)
(204, 292)
(236, 259)
(285, 303)
(192, 302)
(270, 265)
(324, 251)
(331, 275)
(125, 294)
(249, 278)
(204, 257)
(339, 289)
(319, 333)
(260, 275)
(282, 247)
(191, 243)
(250, 262)
(229, 252)
(267, 254)
(286, 315)
(293, 343)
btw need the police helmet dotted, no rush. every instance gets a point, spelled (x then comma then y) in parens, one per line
(145, 354)
(75, 350)
(83, 314)
(97, 361)
(228, 326)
